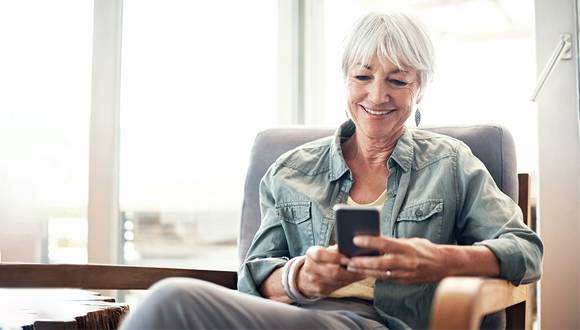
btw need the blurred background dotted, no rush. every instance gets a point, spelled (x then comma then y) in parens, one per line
(196, 81)
(196, 84)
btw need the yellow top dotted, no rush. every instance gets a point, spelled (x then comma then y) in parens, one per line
(363, 289)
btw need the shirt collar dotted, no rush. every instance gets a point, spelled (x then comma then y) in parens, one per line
(402, 155)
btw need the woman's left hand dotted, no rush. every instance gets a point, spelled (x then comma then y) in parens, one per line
(402, 260)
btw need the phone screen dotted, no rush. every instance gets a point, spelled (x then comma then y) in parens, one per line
(352, 221)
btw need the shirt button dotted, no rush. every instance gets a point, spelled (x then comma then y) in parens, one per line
(418, 213)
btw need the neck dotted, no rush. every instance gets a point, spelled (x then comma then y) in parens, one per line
(374, 152)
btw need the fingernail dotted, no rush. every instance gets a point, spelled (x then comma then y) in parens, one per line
(344, 261)
(357, 240)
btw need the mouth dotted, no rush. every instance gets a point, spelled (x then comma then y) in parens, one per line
(377, 112)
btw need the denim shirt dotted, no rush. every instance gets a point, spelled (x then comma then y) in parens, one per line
(436, 189)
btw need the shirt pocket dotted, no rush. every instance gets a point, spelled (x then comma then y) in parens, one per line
(421, 219)
(297, 223)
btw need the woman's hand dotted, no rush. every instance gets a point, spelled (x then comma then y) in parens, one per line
(406, 261)
(323, 272)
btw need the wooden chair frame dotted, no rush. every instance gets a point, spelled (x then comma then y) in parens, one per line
(460, 302)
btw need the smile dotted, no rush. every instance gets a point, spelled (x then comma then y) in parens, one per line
(377, 113)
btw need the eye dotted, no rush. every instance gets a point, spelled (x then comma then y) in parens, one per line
(398, 83)
(362, 78)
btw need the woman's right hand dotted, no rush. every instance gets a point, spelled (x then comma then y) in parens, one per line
(323, 272)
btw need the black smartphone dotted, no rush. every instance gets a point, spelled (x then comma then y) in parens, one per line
(352, 221)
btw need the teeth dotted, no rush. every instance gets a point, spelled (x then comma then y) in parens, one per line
(377, 113)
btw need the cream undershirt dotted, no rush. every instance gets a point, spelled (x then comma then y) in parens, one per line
(363, 289)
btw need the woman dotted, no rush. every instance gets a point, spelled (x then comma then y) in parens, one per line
(441, 213)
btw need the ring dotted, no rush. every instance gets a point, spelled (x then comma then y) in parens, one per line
(388, 273)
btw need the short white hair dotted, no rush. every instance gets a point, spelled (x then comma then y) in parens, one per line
(397, 37)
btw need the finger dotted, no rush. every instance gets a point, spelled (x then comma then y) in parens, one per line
(344, 258)
(320, 254)
(381, 243)
(393, 275)
(330, 274)
(369, 272)
(381, 263)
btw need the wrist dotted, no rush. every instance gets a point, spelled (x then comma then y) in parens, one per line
(290, 278)
(469, 261)
(450, 264)
(299, 281)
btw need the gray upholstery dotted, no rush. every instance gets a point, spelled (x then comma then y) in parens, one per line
(492, 144)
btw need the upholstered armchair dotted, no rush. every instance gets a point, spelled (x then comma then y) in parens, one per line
(460, 302)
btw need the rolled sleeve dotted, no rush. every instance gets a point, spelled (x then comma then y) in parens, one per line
(490, 218)
(515, 262)
(253, 273)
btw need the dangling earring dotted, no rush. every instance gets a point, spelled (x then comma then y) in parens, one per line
(417, 117)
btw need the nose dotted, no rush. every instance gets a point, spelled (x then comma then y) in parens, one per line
(378, 92)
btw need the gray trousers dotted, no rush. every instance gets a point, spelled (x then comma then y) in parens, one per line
(181, 303)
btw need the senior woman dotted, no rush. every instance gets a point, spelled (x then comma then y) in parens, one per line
(441, 213)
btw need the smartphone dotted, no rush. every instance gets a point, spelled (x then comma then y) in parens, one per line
(352, 221)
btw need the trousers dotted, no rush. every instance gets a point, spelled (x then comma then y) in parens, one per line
(184, 303)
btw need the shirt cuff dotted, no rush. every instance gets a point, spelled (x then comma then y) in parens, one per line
(509, 255)
(254, 272)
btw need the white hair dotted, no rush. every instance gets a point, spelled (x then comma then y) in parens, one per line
(396, 37)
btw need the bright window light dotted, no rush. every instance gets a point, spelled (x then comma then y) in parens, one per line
(45, 74)
(198, 82)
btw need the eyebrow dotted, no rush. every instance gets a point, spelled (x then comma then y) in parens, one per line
(368, 67)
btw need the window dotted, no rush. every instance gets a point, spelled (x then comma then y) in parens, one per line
(485, 57)
(45, 67)
(198, 82)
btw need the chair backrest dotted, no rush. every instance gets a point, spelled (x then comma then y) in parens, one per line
(493, 145)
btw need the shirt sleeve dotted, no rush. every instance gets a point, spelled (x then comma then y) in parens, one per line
(269, 248)
(490, 218)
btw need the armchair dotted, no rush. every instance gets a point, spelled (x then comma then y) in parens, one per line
(460, 302)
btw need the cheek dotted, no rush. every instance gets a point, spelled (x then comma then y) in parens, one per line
(354, 93)
(409, 98)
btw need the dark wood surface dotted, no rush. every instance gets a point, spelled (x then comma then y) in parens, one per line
(101, 277)
(524, 183)
(520, 316)
(58, 309)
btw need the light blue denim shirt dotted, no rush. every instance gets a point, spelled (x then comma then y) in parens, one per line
(436, 189)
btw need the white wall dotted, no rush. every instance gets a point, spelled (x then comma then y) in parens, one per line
(559, 164)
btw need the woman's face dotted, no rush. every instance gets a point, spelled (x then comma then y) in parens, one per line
(380, 97)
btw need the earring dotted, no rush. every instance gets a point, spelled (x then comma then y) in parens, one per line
(417, 117)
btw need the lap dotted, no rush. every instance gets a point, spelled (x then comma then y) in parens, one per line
(191, 303)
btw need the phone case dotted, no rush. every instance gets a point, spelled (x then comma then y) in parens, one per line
(352, 221)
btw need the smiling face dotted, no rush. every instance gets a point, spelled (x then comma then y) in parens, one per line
(381, 97)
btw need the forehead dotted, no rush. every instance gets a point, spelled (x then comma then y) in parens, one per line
(384, 65)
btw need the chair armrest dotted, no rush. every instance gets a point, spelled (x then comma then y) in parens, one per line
(462, 302)
(101, 277)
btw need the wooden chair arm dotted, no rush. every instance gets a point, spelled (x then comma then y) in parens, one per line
(101, 277)
(462, 302)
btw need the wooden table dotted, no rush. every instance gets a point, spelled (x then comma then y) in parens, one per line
(58, 309)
